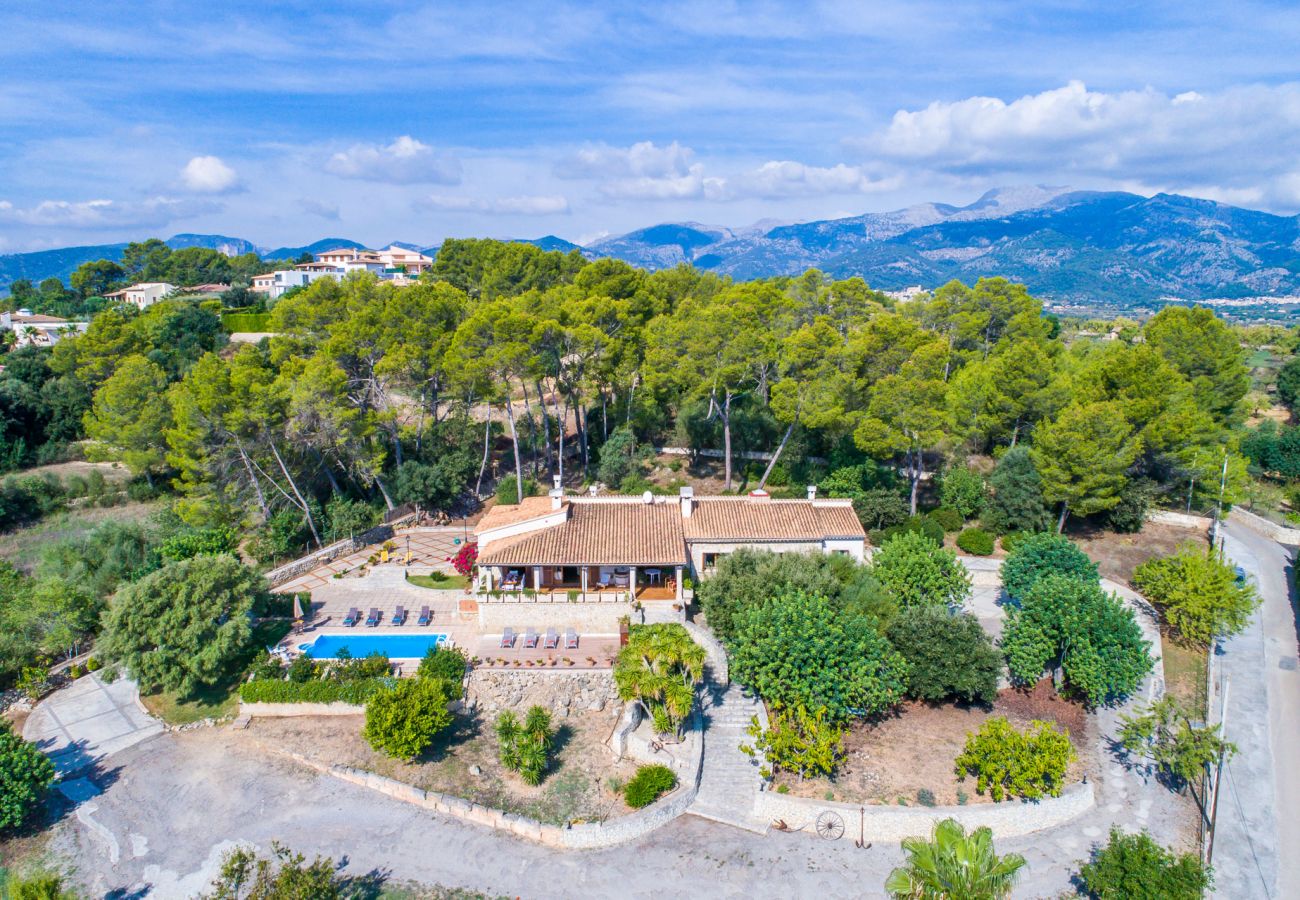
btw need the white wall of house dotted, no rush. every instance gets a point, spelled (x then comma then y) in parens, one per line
(487, 538)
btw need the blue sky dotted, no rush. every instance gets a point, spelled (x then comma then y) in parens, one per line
(284, 122)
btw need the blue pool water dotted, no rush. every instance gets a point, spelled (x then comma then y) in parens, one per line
(394, 646)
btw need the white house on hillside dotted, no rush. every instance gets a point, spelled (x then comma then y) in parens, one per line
(146, 293)
(36, 330)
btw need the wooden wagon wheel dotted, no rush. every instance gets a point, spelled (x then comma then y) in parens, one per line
(830, 826)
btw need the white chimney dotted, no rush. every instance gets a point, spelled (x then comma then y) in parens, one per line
(812, 492)
(557, 498)
(593, 490)
(688, 501)
(556, 479)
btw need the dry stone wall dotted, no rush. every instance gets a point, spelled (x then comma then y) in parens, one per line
(561, 692)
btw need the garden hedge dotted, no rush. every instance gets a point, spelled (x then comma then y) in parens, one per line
(275, 691)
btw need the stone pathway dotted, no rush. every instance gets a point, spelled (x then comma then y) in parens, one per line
(87, 721)
(730, 779)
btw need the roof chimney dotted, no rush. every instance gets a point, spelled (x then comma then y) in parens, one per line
(812, 492)
(593, 490)
(556, 480)
(688, 501)
(557, 498)
(758, 494)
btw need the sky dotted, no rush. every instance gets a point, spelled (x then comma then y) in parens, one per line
(286, 122)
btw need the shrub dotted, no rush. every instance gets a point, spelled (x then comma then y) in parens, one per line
(35, 887)
(808, 744)
(952, 864)
(922, 525)
(1016, 501)
(465, 558)
(798, 648)
(1011, 763)
(302, 668)
(1199, 596)
(948, 518)
(925, 797)
(1091, 635)
(963, 490)
(27, 775)
(507, 493)
(355, 692)
(648, 785)
(1135, 866)
(1165, 734)
(919, 573)
(1012, 539)
(1130, 514)
(404, 721)
(526, 748)
(200, 542)
(1045, 554)
(93, 664)
(975, 541)
(447, 663)
(947, 655)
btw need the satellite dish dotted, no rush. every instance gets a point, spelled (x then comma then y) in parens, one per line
(647, 497)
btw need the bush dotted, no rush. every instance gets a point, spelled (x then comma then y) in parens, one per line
(35, 887)
(1134, 866)
(302, 668)
(1011, 763)
(1045, 554)
(93, 664)
(465, 558)
(1199, 596)
(526, 748)
(975, 541)
(922, 525)
(1130, 514)
(808, 744)
(919, 573)
(1016, 501)
(947, 655)
(447, 663)
(199, 542)
(1012, 539)
(356, 692)
(617, 457)
(925, 797)
(507, 494)
(27, 775)
(648, 785)
(963, 490)
(404, 721)
(948, 518)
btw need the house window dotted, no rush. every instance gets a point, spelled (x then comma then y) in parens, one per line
(711, 559)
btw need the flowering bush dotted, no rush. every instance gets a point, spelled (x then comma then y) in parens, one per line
(463, 561)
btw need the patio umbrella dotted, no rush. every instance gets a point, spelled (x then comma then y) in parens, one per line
(297, 607)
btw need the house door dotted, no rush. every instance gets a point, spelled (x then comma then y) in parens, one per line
(571, 575)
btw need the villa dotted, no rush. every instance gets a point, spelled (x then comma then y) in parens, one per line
(144, 294)
(37, 330)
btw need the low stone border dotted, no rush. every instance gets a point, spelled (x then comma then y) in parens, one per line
(575, 837)
(288, 710)
(1272, 530)
(893, 823)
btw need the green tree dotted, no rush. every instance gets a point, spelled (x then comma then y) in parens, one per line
(446, 663)
(404, 721)
(526, 748)
(1200, 597)
(1016, 501)
(1202, 346)
(93, 279)
(1092, 636)
(1288, 383)
(130, 416)
(617, 457)
(1037, 555)
(285, 875)
(1165, 734)
(796, 740)
(1135, 867)
(1082, 457)
(963, 490)
(659, 669)
(919, 573)
(797, 648)
(25, 775)
(1011, 763)
(947, 655)
(954, 865)
(185, 626)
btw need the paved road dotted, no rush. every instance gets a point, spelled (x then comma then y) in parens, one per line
(1257, 847)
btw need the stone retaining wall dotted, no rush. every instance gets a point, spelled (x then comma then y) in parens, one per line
(1272, 530)
(1181, 520)
(586, 618)
(301, 566)
(554, 689)
(287, 710)
(893, 823)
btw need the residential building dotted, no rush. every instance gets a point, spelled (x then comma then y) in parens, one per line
(144, 294)
(395, 265)
(37, 330)
(276, 284)
(411, 262)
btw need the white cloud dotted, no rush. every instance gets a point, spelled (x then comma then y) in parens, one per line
(209, 175)
(524, 205)
(404, 161)
(320, 208)
(93, 214)
(785, 178)
(641, 160)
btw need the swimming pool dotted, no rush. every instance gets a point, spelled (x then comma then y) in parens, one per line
(394, 646)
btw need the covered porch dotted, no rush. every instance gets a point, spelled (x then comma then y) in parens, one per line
(583, 583)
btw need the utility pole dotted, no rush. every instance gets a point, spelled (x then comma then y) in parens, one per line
(1218, 775)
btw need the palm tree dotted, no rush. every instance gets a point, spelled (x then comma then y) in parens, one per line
(659, 668)
(508, 733)
(954, 865)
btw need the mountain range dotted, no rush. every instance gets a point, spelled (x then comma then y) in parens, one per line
(1104, 248)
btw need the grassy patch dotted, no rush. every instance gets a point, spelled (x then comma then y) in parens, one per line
(22, 547)
(1185, 673)
(212, 703)
(439, 581)
(257, 323)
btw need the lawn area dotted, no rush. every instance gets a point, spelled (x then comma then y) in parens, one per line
(217, 703)
(439, 581)
(1185, 673)
(579, 786)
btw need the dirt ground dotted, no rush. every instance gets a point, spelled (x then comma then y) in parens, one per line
(1117, 555)
(580, 785)
(890, 761)
(112, 472)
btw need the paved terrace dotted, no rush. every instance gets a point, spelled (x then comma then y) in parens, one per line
(430, 548)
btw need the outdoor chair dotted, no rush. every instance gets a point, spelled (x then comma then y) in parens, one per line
(508, 637)
(530, 639)
(353, 616)
(570, 639)
(425, 616)
(399, 616)
(373, 619)
(552, 639)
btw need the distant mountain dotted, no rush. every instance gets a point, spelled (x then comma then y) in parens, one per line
(231, 246)
(60, 263)
(551, 242)
(317, 247)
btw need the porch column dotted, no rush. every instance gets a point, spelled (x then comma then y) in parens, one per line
(631, 583)
(537, 578)
(584, 571)
(677, 580)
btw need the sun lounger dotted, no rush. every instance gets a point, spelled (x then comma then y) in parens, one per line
(425, 616)
(530, 639)
(570, 639)
(508, 637)
(353, 616)
(373, 619)
(399, 616)
(552, 639)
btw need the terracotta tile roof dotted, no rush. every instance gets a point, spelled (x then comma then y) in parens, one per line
(37, 319)
(753, 519)
(510, 513)
(598, 534)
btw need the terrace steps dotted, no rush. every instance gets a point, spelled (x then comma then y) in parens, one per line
(730, 779)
